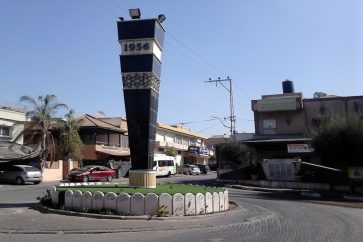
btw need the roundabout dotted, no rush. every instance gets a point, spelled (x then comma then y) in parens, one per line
(115, 199)
(259, 217)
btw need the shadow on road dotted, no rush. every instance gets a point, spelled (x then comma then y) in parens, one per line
(19, 205)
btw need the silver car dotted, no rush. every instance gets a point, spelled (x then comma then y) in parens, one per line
(191, 170)
(20, 174)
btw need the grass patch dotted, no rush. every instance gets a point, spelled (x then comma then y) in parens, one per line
(165, 188)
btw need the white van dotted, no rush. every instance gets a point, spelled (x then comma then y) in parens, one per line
(164, 165)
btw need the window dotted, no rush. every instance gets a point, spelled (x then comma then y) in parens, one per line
(4, 131)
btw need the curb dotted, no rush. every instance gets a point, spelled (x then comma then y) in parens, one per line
(45, 209)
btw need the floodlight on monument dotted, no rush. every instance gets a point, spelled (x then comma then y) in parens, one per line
(135, 13)
(161, 18)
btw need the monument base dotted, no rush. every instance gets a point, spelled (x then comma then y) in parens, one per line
(142, 178)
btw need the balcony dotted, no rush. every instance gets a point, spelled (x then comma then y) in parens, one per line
(164, 144)
(113, 150)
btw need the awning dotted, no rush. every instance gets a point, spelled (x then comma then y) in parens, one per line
(13, 151)
(113, 153)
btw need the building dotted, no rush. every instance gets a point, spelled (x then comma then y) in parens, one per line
(190, 146)
(103, 140)
(11, 124)
(283, 122)
(12, 139)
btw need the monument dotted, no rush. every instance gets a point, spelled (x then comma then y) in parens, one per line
(141, 46)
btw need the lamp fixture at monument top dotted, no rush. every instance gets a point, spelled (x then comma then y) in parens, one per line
(161, 18)
(135, 13)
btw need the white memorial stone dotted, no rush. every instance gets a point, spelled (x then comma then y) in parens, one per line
(110, 201)
(54, 194)
(226, 199)
(91, 183)
(166, 203)
(208, 202)
(178, 204)
(215, 202)
(107, 183)
(123, 204)
(97, 201)
(68, 199)
(151, 204)
(84, 184)
(99, 183)
(189, 204)
(78, 184)
(77, 199)
(221, 201)
(61, 185)
(66, 184)
(199, 203)
(137, 204)
(72, 184)
(87, 200)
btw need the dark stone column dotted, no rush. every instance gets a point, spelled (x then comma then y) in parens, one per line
(141, 46)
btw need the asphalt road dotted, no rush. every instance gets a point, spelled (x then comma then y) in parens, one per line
(260, 217)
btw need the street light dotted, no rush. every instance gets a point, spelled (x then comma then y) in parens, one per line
(135, 13)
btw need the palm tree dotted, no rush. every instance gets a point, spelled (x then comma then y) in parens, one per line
(42, 112)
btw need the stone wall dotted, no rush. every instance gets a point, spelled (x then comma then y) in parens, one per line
(139, 204)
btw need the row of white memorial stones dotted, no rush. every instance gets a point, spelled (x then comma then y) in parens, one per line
(138, 204)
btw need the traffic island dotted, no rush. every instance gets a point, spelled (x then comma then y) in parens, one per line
(116, 199)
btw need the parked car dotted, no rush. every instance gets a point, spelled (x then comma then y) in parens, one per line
(20, 174)
(203, 168)
(91, 173)
(191, 170)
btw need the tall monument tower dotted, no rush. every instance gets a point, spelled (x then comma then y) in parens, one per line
(141, 46)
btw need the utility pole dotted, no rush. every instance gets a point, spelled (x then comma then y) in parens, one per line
(232, 117)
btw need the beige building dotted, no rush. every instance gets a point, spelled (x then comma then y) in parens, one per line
(189, 145)
(11, 124)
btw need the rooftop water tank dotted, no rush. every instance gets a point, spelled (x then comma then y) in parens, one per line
(288, 86)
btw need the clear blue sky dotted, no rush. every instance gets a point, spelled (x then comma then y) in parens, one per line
(69, 48)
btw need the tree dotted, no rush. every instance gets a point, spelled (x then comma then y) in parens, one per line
(339, 140)
(319, 94)
(236, 155)
(170, 151)
(42, 112)
(72, 143)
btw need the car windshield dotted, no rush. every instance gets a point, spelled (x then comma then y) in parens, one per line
(85, 168)
(30, 168)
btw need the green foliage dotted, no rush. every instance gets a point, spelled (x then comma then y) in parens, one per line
(236, 154)
(72, 143)
(45, 199)
(170, 151)
(319, 94)
(339, 140)
(179, 169)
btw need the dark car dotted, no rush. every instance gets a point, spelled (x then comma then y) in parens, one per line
(92, 173)
(20, 174)
(203, 168)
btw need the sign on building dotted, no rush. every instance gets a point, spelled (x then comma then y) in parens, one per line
(299, 148)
